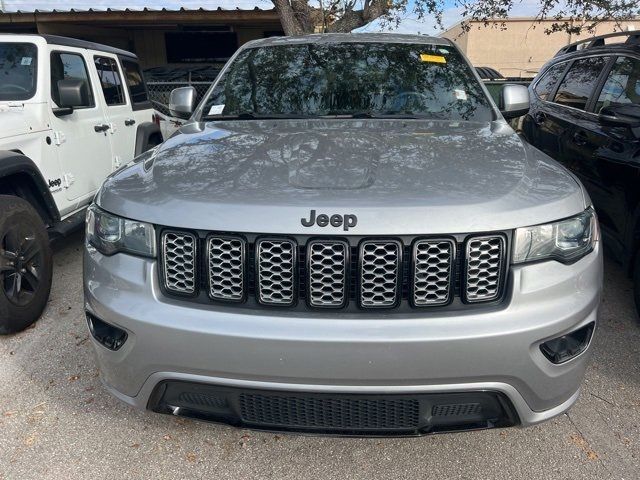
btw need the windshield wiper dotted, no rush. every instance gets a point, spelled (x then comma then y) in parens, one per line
(258, 116)
(370, 114)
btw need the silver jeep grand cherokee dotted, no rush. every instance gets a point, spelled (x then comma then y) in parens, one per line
(346, 238)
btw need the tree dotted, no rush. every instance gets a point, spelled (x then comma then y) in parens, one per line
(301, 17)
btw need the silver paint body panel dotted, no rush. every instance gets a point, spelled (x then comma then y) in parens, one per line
(398, 177)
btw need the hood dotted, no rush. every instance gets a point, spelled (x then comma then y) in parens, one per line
(396, 176)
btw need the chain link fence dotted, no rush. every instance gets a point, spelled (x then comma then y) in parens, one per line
(159, 93)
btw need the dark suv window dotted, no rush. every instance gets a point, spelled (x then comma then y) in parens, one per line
(135, 82)
(546, 84)
(109, 75)
(622, 86)
(576, 88)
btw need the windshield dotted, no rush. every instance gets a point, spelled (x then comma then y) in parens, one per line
(352, 79)
(17, 71)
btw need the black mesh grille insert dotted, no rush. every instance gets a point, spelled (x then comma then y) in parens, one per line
(203, 399)
(456, 409)
(330, 413)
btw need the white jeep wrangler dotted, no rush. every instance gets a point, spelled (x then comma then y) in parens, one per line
(71, 112)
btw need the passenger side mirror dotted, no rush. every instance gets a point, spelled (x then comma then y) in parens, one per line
(182, 102)
(514, 100)
(72, 93)
(620, 116)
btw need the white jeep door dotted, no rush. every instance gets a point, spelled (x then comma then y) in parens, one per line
(84, 149)
(118, 110)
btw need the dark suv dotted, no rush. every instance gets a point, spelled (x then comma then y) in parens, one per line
(585, 113)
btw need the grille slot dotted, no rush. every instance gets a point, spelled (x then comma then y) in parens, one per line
(484, 266)
(226, 262)
(179, 262)
(380, 262)
(432, 272)
(330, 412)
(276, 265)
(327, 273)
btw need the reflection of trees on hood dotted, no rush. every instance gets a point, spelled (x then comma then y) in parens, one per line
(351, 77)
(361, 161)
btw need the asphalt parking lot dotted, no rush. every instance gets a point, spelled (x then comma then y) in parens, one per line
(57, 422)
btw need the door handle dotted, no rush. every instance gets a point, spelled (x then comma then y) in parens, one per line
(580, 138)
(539, 118)
(101, 128)
(130, 121)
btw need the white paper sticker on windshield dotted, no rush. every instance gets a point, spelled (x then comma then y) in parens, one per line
(216, 109)
(460, 94)
(26, 61)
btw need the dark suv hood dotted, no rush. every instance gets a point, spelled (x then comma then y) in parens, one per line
(397, 176)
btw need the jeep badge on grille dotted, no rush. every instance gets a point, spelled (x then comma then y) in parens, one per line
(335, 220)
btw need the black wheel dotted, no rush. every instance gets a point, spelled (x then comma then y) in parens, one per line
(25, 265)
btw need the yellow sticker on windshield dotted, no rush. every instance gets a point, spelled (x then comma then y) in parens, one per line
(425, 57)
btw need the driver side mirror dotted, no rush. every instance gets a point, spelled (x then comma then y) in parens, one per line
(72, 93)
(182, 102)
(514, 100)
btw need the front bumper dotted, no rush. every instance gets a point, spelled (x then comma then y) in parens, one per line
(494, 350)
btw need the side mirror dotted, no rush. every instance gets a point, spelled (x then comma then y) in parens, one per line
(72, 93)
(620, 116)
(514, 100)
(182, 102)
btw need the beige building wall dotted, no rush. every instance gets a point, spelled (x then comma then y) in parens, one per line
(519, 47)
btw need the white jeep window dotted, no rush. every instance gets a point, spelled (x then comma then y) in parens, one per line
(69, 66)
(110, 80)
(18, 71)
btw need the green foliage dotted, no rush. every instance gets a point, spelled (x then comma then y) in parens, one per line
(571, 16)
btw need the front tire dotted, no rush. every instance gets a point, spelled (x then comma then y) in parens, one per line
(25, 265)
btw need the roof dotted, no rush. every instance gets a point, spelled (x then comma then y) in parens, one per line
(323, 38)
(74, 42)
(79, 6)
(632, 40)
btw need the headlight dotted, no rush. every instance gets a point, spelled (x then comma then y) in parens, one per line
(110, 234)
(565, 240)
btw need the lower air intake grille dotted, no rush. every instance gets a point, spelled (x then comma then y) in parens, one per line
(276, 271)
(329, 413)
(484, 267)
(179, 262)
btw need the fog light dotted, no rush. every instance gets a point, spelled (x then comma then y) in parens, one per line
(107, 335)
(561, 349)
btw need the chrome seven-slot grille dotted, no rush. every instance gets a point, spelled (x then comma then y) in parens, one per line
(331, 273)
